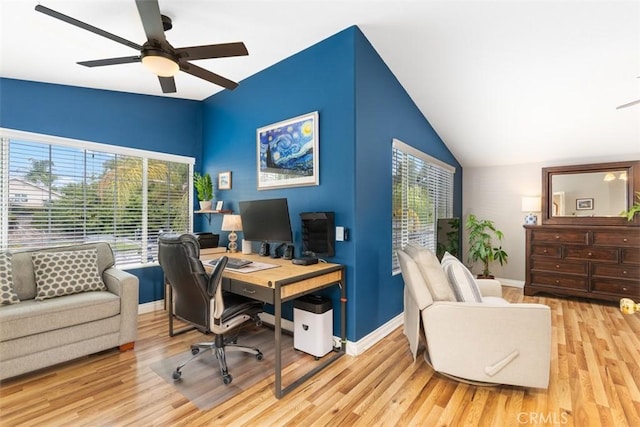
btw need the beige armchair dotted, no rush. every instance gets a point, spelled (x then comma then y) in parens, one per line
(486, 341)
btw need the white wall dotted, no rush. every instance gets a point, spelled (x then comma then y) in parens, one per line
(496, 192)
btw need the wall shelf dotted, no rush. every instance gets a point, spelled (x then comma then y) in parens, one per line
(212, 212)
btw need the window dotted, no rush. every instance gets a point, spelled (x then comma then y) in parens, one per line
(56, 191)
(422, 192)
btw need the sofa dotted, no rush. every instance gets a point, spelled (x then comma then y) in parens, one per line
(61, 303)
(472, 334)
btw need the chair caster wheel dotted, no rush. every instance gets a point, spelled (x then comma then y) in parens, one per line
(259, 356)
(195, 350)
(227, 379)
(176, 375)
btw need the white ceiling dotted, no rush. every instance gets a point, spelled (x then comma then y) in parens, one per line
(502, 82)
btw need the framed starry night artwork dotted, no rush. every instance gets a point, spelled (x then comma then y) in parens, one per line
(288, 153)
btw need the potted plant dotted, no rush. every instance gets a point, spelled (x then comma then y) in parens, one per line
(204, 188)
(481, 247)
(633, 210)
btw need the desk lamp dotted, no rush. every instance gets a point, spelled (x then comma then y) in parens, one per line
(531, 205)
(232, 223)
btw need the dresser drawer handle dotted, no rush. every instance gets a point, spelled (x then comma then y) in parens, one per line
(624, 271)
(625, 240)
(248, 291)
(557, 265)
(557, 236)
(625, 289)
(557, 281)
(544, 251)
(590, 254)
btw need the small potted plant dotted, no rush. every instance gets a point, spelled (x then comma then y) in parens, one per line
(204, 188)
(481, 247)
(633, 210)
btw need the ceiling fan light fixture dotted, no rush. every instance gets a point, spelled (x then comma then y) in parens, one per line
(160, 63)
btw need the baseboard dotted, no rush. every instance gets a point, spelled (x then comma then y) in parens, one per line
(152, 306)
(512, 283)
(368, 341)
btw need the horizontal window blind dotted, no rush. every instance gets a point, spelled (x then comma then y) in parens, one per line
(422, 192)
(59, 194)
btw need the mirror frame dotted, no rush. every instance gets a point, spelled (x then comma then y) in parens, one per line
(633, 185)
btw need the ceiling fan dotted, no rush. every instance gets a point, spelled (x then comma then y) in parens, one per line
(156, 53)
(629, 104)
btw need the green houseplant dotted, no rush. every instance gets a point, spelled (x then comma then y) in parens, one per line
(204, 188)
(481, 247)
(633, 210)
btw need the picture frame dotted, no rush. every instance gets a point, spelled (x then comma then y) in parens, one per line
(288, 153)
(224, 181)
(584, 204)
(219, 204)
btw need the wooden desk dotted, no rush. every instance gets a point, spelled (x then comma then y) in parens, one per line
(284, 283)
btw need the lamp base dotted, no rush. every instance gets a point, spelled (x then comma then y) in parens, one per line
(531, 219)
(233, 246)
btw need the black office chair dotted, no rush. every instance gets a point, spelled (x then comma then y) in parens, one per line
(200, 300)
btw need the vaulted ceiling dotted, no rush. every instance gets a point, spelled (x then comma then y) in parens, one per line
(502, 82)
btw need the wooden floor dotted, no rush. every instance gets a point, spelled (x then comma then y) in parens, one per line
(595, 380)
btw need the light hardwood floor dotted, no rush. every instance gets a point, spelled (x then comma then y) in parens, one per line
(595, 380)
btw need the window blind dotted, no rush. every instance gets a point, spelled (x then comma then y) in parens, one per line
(58, 194)
(422, 192)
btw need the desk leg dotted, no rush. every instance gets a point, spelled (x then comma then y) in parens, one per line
(278, 336)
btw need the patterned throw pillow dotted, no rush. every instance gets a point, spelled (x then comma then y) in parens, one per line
(460, 279)
(7, 294)
(66, 273)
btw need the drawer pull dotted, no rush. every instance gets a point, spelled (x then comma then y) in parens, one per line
(557, 281)
(590, 254)
(624, 271)
(625, 289)
(544, 251)
(557, 265)
(248, 291)
(557, 236)
(625, 240)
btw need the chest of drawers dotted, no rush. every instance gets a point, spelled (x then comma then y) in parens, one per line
(600, 262)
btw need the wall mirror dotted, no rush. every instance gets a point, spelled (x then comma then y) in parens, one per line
(593, 194)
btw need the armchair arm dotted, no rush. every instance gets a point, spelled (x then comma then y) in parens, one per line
(496, 344)
(489, 287)
(125, 285)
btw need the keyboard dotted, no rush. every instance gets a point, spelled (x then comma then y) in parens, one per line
(233, 262)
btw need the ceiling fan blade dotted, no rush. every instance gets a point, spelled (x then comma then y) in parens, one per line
(629, 104)
(194, 70)
(149, 11)
(221, 50)
(168, 84)
(110, 61)
(87, 27)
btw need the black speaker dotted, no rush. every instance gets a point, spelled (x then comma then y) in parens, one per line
(288, 252)
(264, 249)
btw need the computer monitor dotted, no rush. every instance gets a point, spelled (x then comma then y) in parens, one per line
(266, 220)
(318, 234)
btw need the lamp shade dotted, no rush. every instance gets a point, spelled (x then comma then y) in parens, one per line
(231, 223)
(531, 204)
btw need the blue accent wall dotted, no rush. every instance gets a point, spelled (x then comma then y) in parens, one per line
(361, 107)
(117, 118)
(384, 111)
